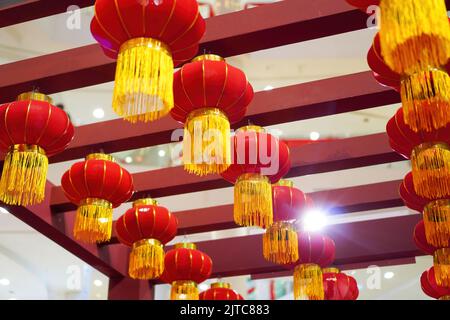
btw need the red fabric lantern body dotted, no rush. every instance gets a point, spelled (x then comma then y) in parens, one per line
(259, 159)
(220, 291)
(146, 37)
(185, 267)
(209, 95)
(96, 186)
(315, 252)
(32, 129)
(441, 255)
(280, 242)
(431, 288)
(147, 227)
(339, 286)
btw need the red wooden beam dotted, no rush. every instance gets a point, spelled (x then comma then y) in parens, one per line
(277, 24)
(308, 159)
(292, 103)
(128, 289)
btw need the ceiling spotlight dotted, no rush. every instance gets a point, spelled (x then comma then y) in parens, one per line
(98, 283)
(314, 135)
(128, 159)
(161, 153)
(98, 113)
(268, 88)
(4, 282)
(388, 275)
(314, 220)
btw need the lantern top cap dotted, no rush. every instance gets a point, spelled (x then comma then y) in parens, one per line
(251, 128)
(331, 270)
(145, 202)
(221, 285)
(186, 245)
(33, 95)
(208, 57)
(285, 183)
(100, 156)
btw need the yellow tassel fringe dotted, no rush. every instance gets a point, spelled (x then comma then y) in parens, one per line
(442, 267)
(308, 282)
(253, 201)
(437, 223)
(143, 88)
(93, 221)
(146, 260)
(206, 143)
(280, 243)
(24, 176)
(431, 170)
(415, 35)
(184, 290)
(426, 100)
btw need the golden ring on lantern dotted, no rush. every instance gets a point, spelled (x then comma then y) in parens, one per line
(27, 148)
(251, 128)
(186, 245)
(447, 297)
(284, 183)
(331, 270)
(224, 285)
(145, 42)
(34, 96)
(145, 202)
(96, 202)
(206, 112)
(208, 57)
(143, 242)
(100, 156)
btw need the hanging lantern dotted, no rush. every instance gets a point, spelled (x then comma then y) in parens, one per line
(209, 95)
(436, 213)
(431, 288)
(185, 268)
(32, 129)
(146, 38)
(220, 291)
(259, 159)
(338, 285)
(441, 255)
(146, 228)
(96, 186)
(280, 242)
(315, 252)
(429, 154)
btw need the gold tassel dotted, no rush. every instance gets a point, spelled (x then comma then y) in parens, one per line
(143, 88)
(93, 221)
(445, 297)
(437, 223)
(184, 290)
(206, 143)
(442, 267)
(24, 175)
(308, 282)
(431, 170)
(146, 260)
(426, 100)
(253, 201)
(415, 35)
(280, 243)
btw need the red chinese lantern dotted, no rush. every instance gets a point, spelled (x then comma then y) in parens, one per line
(32, 129)
(429, 153)
(220, 291)
(431, 288)
(338, 285)
(96, 186)
(436, 213)
(209, 95)
(146, 38)
(441, 255)
(280, 242)
(185, 268)
(259, 159)
(315, 252)
(147, 227)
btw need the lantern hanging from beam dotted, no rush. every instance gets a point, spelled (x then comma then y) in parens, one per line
(280, 241)
(185, 268)
(146, 228)
(431, 288)
(96, 186)
(259, 159)
(315, 252)
(429, 153)
(441, 255)
(32, 129)
(146, 38)
(338, 285)
(209, 95)
(220, 291)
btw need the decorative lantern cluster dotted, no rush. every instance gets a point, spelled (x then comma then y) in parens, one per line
(338, 285)
(220, 291)
(32, 129)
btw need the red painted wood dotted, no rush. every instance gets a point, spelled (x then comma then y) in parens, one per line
(307, 159)
(129, 289)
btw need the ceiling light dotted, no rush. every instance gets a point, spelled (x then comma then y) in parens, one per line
(268, 88)
(98, 283)
(4, 282)
(314, 220)
(98, 113)
(128, 159)
(314, 135)
(161, 153)
(388, 275)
